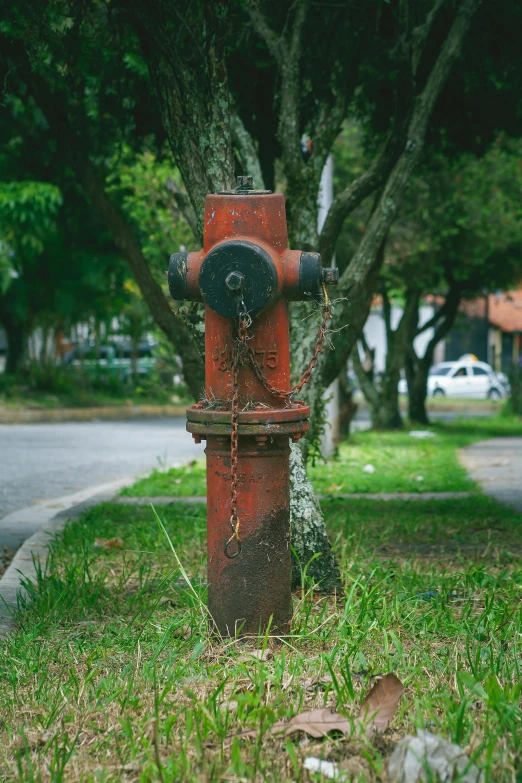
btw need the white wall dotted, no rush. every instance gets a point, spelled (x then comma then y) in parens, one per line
(375, 334)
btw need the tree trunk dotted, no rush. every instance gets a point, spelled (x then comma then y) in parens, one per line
(16, 345)
(388, 416)
(312, 555)
(418, 367)
(417, 393)
(348, 407)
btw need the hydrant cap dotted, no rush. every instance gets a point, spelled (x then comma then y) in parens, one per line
(247, 259)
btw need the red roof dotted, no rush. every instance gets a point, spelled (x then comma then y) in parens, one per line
(505, 310)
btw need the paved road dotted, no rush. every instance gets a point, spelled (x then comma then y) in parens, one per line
(497, 465)
(42, 461)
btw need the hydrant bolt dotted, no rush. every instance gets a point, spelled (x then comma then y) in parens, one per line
(234, 282)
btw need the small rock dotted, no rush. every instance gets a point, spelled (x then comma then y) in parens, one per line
(368, 469)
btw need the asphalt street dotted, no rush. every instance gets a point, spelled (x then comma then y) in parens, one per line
(43, 461)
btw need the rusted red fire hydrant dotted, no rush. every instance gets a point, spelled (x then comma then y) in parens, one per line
(246, 275)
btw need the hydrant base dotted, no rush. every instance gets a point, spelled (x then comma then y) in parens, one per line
(252, 592)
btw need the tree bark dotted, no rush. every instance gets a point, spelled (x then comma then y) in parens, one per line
(193, 98)
(312, 552)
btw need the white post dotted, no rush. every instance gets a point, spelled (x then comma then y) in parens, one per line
(330, 438)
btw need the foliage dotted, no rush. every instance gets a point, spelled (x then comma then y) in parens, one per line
(461, 222)
(28, 216)
(139, 180)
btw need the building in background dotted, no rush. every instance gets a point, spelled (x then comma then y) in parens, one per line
(490, 327)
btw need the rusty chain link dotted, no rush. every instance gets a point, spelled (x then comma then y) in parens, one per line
(234, 443)
(243, 353)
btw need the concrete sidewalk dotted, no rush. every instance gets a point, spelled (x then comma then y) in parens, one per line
(497, 465)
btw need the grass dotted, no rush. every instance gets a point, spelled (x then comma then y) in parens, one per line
(402, 463)
(111, 675)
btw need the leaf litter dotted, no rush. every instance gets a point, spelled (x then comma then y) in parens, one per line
(375, 714)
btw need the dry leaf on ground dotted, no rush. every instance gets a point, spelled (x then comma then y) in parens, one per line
(375, 714)
(108, 543)
(381, 702)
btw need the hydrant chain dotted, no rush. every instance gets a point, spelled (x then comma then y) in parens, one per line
(312, 364)
(234, 442)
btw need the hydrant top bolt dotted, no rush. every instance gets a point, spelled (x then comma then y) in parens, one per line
(245, 183)
(234, 282)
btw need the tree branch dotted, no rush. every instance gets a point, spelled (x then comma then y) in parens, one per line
(264, 31)
(351, 197)
(433, 320)
(421, 33)
(355, 287)
(368, 389)
(246, 150)
(386, 314)
(453, 301)
(289, 128)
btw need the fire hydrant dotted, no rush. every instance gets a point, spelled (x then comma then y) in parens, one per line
(246, 275)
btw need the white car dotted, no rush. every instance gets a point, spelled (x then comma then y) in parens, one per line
(476, 380)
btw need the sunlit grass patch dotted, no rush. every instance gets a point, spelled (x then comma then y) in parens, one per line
(112, 676)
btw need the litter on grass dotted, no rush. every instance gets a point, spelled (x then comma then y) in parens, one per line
(427, 757)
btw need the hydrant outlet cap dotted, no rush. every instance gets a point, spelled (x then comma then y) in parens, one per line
(245, 263)
(177, 275)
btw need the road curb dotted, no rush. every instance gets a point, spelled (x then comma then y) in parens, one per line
(32, 554)
(106, 413)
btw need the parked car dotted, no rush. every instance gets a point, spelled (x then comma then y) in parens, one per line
(112, 360)
(472, 379)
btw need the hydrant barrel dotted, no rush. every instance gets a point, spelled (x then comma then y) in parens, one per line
(246, 275)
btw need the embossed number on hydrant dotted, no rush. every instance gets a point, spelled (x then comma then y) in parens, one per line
(264, 358)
